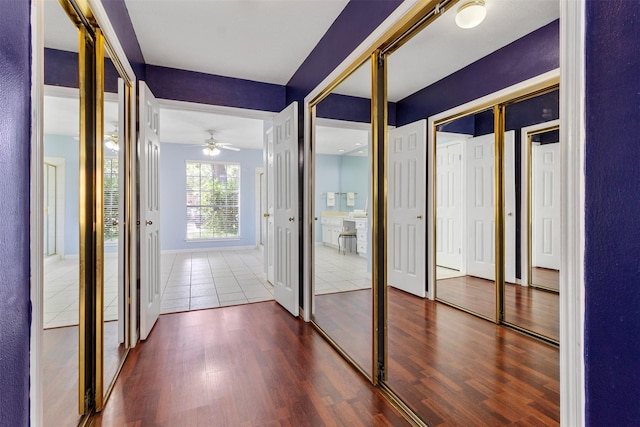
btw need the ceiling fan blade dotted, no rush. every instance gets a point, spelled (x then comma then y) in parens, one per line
(227, 147)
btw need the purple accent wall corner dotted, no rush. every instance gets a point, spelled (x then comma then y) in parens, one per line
(612, 222)
(15, 132)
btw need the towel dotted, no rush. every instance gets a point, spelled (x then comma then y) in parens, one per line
(351, 199)
(331, 199)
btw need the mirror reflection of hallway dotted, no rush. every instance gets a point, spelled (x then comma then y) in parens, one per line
(342, 229)
(465, 217)
(532, 302)
(61, 288)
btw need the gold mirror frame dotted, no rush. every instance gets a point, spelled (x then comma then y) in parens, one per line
(418, 17)
(91, 51)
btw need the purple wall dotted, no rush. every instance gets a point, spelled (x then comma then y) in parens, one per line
(15, 131)
(119, 18)
(354, 24)
(536, 53)
(181, 85)
(60, 68)
(612, 213)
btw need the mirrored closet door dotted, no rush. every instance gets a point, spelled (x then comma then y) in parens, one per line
(531, 300)
(341, 209)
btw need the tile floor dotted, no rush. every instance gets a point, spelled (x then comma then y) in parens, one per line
(337, 272)
(61, 292)
(198, 280)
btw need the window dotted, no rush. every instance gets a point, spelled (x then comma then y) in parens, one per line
(111, 200)
(213, 200)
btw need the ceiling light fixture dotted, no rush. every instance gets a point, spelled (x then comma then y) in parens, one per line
(358, 144)
(211, 150)
(471, 14)
(111, 139)
(340, 150)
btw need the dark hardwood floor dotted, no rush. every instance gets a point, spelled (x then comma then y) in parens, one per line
(247, 365)
(534, 309)
(471, 293)
(545, 277)
(452, 368)
(347, 319)
(456, 369)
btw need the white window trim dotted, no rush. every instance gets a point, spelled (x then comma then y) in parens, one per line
(218, 239)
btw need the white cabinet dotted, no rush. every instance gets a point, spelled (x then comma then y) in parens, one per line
(361, 233)
(332, 226)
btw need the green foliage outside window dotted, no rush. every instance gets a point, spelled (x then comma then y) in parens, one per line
(213, 200)
(111, 199)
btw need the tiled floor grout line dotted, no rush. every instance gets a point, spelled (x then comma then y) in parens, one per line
(214, 274)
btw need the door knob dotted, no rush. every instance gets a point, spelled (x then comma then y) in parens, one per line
(149, 222)
(510, 214)
(315, 218)
(266, 215)
(291, 219)
(115, 222)
(419, 217)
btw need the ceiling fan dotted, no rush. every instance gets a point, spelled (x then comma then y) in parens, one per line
(212, 148)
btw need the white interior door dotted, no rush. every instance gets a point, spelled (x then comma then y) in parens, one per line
(509, 207)
(406, 208)
(480, 222)
(545, 211)
(269, 211)
(449, 205)
(150, 211)
(480, 207)
(285, 172)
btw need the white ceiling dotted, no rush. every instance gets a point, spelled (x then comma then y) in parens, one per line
(262, 40)
(190, 127)
(267, 40)
(59, 31)
(62, 112)
(341, 138)
(442, 48)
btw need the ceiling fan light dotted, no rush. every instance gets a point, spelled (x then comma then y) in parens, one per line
(112, 144)
(470, 14)
(211, 151)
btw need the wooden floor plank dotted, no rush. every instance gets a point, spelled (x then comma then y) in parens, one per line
(249, 365)
(450, 367)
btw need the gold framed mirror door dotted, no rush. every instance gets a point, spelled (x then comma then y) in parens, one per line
(415, 347)
(118, 200)
(341, 206)
(89, 191)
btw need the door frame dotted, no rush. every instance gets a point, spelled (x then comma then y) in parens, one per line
(536, 83)
(524, 200)
(36, 257)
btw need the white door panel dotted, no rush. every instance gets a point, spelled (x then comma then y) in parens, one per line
(406, 208)
(480, 207)
(285, 172)
(449, 205)
(545, 211)
(480, 202)
(270, 238)
(149, 138)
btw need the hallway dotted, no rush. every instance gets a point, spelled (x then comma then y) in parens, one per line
(246, 365)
